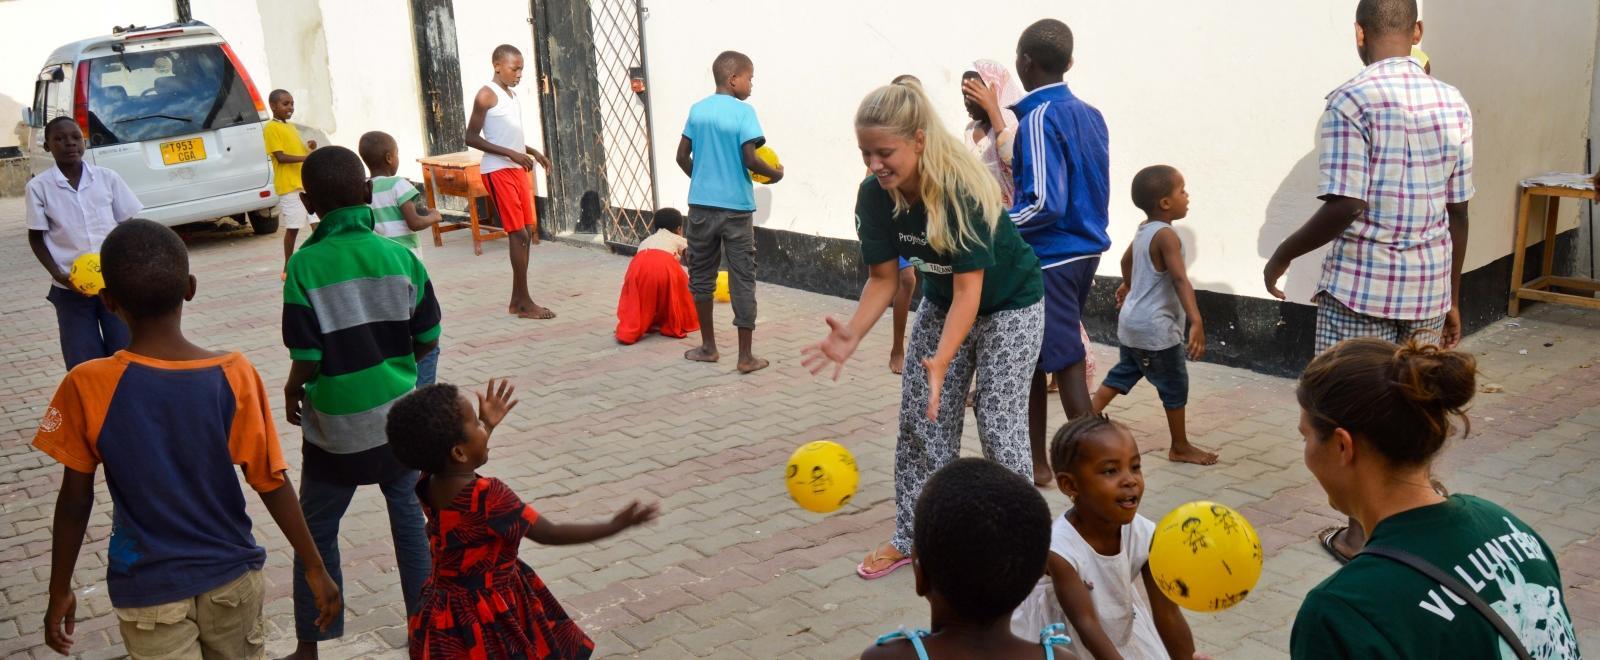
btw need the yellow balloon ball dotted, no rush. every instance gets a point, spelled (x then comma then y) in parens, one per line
(1205, 556)
(822, 476)
(721, 294)
(768, 156)
(85, 274)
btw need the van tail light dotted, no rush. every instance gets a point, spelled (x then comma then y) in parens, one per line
(80, 100)
(244, 76)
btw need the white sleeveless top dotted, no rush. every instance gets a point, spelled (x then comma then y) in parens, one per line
(502, 127)
(1116, 585)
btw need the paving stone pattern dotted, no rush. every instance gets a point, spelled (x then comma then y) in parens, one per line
(734, 568)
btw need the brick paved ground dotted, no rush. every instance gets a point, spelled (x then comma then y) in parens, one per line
(734, 569)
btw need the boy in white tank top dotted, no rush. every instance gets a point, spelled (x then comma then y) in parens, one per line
(495, 128)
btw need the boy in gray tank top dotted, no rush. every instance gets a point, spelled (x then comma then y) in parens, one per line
(1156, 299)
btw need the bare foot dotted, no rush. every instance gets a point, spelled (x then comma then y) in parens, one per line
(752, 365)
(700, 354)
(1191, 454)
(1043, 479)
(897, 363)
(533, 311)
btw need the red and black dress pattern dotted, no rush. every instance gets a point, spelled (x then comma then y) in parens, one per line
(481, 601)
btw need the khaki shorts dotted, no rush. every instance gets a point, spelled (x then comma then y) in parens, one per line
(292, 212)
(225, 622)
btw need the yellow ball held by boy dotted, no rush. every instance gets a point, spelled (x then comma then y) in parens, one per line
(768, 156)
(821, 476)
(721, 293)
(1205, 556)
(85, 274)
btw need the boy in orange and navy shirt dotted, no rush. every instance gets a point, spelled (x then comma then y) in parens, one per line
(169, 420)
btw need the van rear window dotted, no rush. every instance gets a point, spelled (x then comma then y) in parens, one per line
(159, 94)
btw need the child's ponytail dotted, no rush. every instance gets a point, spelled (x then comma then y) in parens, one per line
(952, 179)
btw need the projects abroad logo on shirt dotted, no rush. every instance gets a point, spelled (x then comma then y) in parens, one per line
(52, 420)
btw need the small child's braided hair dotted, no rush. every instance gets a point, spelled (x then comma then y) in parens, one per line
(1064, 447)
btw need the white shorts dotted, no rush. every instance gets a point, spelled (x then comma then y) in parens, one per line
(292, 213)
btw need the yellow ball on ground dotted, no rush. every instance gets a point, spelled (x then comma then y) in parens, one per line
(768, 156)
(85, 274)
(821, 476)
(721, 294)
(1205, 556)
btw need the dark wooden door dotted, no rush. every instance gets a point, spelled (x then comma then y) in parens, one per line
(439, 74)
(596, 126)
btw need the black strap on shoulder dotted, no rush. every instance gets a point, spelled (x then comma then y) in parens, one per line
(1422, 566)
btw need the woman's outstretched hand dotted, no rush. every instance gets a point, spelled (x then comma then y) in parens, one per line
(835, 349)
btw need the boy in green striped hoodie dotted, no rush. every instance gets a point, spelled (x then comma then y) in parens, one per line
(398, 212)
(358, 312)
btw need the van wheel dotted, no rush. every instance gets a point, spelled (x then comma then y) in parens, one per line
(263, 223)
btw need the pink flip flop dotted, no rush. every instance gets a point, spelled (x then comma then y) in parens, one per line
(861, 569)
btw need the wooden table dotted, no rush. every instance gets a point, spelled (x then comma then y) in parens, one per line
(457, 175)
(1552, 188)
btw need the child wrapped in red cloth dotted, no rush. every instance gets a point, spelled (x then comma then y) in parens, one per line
(655, 292)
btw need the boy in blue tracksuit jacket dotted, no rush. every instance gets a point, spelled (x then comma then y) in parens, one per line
(1063, 170)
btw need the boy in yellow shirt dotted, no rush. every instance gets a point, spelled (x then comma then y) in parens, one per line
(287, 152)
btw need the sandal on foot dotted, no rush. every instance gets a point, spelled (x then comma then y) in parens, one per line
(1325, 537)
(875, 557)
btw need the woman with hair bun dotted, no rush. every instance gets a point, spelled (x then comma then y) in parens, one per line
(1374, 415)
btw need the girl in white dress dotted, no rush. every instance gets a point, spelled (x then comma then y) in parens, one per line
(1097, 576)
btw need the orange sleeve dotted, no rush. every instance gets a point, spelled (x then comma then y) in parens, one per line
(253, 439)
(71, 423)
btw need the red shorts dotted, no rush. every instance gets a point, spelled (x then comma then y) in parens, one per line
(512, 192)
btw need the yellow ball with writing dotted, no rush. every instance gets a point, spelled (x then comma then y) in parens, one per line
(768, 156)
(721, 294)
(85, 274)
(821, 476)
(1205, 556)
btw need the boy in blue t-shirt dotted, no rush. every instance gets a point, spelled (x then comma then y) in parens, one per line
(718, 152)
(1062, 208)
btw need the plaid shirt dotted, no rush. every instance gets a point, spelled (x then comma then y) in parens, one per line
(1401, 141)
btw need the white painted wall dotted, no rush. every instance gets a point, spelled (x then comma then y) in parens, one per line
(1231, 97)
(372, 67)
(1585, 262)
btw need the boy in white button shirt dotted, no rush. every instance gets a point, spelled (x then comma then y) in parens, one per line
(70, 209)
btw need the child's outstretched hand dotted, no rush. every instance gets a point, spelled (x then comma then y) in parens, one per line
(495, 402)
(635, 514)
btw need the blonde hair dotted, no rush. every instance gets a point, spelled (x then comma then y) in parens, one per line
(947, 171)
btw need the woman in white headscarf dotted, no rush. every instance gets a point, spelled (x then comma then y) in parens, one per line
(990, 91)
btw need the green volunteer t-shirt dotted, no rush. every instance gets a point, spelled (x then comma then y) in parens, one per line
(1379, 608)
(1011, 277)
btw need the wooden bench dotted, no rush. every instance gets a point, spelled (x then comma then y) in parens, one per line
(457, 175)
(1552, 187)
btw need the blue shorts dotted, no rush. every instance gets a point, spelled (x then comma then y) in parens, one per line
(1167, 369)
(1066, 289)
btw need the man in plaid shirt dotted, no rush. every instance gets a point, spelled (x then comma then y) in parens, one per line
(1396, 176)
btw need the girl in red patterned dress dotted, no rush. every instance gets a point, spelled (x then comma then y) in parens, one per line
(481, 601)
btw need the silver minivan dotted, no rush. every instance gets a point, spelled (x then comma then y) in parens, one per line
(172, 110)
